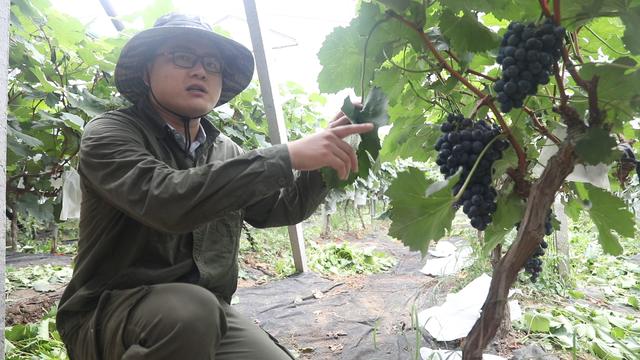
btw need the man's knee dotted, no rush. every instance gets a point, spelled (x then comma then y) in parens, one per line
(183, 312)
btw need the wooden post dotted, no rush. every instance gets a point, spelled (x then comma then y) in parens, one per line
(4, 70)
(273, 110)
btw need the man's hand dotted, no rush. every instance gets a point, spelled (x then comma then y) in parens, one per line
(327, 148)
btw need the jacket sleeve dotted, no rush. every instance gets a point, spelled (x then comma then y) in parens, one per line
(289, 205)
(115, 163)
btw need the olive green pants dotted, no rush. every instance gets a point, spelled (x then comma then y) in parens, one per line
(172, 321)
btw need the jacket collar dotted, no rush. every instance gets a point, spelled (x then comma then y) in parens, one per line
(161, 129)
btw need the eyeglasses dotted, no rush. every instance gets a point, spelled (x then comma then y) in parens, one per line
(187, 60)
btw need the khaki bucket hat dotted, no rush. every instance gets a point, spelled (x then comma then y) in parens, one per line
(237, 59)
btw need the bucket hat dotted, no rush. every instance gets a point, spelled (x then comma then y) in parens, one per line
(237, 59)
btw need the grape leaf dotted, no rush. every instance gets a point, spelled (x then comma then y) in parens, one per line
(608, 38)
(406, 137)
(609, 213)
(597, 146)
(509, 213)
(466, 33)
(631, 38)
(342, 52)
(421, 210)
(397, 5)
(373, 111)
(501, 9)
(616, 83)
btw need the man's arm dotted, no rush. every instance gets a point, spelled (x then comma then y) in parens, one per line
(297, 202)
(289, 205)
(116, 164)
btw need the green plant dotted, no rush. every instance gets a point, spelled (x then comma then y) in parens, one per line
(35, 341)
(436, 58)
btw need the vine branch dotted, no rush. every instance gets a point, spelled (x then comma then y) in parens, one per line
(544, 4)
(522, 159)
(364, 56)
(564, 99)
(469, 70)
(540, 126)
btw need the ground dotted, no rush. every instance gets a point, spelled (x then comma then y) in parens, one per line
(357, 316)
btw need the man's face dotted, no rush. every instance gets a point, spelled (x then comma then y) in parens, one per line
(189, 91)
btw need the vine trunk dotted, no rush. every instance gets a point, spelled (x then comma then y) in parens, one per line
(530, 235)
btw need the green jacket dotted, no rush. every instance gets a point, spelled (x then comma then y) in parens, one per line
(152, 213)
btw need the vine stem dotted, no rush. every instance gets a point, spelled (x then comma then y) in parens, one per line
(540, 126)
(556, 12)
(471, 71)
(560, 82)
(544, 4)
(522, 158)
(364, 56)
(605, 42)
(473, 169)
(576, 47)
(572, 71)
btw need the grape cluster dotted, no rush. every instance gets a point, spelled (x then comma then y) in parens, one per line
(527, 54)
(628, 157)
(460, 145)
(533, 266)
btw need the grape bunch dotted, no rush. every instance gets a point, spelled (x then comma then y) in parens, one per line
(460, 145)
(629, 159)
(533, 266)
(527, 54)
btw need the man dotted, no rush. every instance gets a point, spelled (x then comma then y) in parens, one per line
(164, 198)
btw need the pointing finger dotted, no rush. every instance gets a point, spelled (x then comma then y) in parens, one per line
(346, 130)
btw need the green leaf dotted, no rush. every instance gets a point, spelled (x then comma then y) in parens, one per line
(24, 138)
(501, 9)
(631, 38)
(510, 209)
(342, 52)
(537, 323)
(397, 5)
(597, 146)
(87, 102)
(73, 121)
(45, 84)
(573, 208)
(618, 84)
(609, 213)
(30, 204)
(604, 351)
(466, 34)
(421, 211)
(410, 138)
(373, 111)
(576, 294)
(633, 302)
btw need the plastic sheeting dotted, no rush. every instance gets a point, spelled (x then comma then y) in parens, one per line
(430, 354)
(71, 195)
(454, 319)
(597, 175)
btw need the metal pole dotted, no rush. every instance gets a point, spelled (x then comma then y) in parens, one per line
(4, 70)
(273, 110)
(106, 5)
